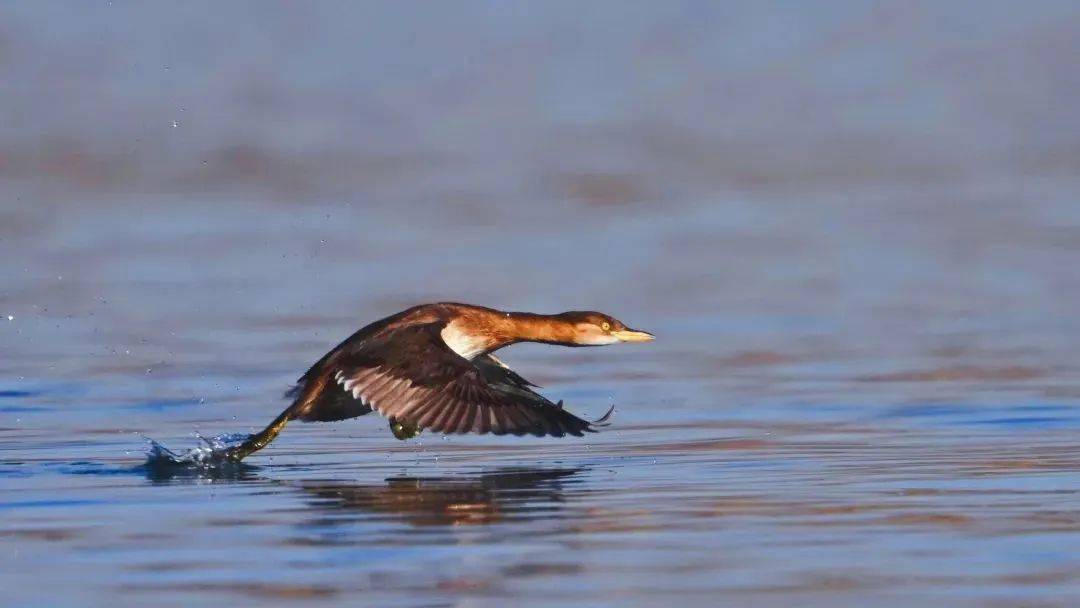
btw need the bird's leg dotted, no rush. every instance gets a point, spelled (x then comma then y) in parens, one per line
(260, 440)
(404, 430)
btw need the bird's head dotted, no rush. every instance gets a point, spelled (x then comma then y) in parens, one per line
(596, 329)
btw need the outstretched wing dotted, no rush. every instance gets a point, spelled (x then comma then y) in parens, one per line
(411, 375)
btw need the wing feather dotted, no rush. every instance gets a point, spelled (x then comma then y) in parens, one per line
(409, 374)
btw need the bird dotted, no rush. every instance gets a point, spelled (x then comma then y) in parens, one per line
(431, 367)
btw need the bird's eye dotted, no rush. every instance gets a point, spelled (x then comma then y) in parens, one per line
(605, 326)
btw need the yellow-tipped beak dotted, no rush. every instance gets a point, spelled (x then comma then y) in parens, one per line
(630, 335)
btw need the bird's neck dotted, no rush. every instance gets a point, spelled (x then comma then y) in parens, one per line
(476, 333)
(529, 327)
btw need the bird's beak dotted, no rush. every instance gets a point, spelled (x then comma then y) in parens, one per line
(631, 335)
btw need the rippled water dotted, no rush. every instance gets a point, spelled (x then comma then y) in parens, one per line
(865, 387)
(756, 455)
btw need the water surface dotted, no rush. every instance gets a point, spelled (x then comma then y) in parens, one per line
(853, 231)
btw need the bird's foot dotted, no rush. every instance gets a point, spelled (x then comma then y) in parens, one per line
(404, 430)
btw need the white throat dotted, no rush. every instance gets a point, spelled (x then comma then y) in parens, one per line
(465, 344)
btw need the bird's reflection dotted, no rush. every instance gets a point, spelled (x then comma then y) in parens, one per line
(441, 501)
(483, 498)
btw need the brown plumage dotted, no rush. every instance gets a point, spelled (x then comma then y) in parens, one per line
(431, 367)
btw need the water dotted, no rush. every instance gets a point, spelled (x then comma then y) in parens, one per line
(212, 452)
(865, 386)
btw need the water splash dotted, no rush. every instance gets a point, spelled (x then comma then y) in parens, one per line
(215, 452)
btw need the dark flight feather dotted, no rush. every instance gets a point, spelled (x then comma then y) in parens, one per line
(407, 373)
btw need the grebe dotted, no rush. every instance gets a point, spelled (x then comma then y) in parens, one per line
(431, 367)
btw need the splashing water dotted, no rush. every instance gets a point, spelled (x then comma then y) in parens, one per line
(214, 452)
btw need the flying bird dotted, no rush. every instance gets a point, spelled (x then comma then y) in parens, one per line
(432, 367)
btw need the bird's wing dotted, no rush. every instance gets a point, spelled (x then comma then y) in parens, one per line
(411, 375)
(489, 360)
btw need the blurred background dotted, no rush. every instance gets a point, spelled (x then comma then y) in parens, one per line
(883, 176)
(837, 216)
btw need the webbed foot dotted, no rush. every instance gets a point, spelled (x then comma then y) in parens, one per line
(404, 430)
